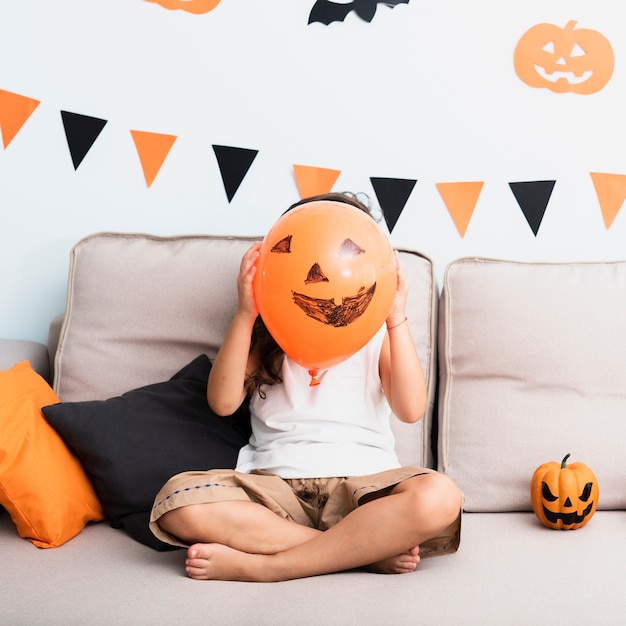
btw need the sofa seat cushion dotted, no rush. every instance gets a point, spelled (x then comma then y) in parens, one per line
(509, 571)
(532, 367)
(140, 307)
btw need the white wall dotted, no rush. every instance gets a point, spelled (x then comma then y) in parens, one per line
(425, 91)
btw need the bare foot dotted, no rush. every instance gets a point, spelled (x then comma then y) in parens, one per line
(214, 561)
(401, 564)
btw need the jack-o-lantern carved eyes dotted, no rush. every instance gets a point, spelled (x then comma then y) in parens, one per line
(550, 497)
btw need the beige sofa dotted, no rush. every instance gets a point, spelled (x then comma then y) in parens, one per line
(525, 363)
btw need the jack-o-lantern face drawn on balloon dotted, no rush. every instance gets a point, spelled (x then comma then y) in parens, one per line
(326, 310)
(576, 60)
(190, 6)
(326, 277)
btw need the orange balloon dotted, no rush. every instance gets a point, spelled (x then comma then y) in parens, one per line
(325, 282)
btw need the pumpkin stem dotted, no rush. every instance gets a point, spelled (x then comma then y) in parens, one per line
(570, 25)
(563, 466)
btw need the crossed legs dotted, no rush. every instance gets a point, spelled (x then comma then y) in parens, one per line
(245, 541)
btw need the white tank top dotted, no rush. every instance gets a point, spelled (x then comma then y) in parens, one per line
(337, 428)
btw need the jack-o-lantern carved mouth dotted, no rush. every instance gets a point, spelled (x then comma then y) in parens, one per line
(328, 312)
(567, 518)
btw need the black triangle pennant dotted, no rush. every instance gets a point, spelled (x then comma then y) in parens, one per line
(533, 198)
(392, 194)
(234, 164)
(81, 131)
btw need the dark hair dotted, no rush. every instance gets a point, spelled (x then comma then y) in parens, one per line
(270, 353)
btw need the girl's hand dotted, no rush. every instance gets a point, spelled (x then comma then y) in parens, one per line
(397, 313)
(247, 304)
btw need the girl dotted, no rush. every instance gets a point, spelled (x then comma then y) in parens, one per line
(319, 488)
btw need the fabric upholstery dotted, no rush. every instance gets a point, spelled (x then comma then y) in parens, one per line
(532, 367)
(14, 351)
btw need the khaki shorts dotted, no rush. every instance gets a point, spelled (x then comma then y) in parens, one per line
(315, 502)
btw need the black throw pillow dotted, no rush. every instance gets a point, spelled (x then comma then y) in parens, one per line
(132, 444)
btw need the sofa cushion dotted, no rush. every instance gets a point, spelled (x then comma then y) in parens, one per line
(132, 444)
(139, 307)
(42, 484)
(532, 367)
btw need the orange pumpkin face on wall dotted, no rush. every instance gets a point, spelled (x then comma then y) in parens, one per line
(576, 60)
(191, 6)
(325, 281)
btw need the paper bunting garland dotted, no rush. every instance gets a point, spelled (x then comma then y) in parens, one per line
(81, 131)
(460, 198)
(533, 198)
(234, 164)
(14, 111)
(312, 181)
(152, 149)
(611, 192)
(392, 194)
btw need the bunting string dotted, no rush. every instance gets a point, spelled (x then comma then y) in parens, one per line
(459, 198)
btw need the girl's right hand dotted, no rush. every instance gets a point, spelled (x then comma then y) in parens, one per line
(247, 304)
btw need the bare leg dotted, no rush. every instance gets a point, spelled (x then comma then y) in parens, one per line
(250, 527)
(416, 510)
(245, 526)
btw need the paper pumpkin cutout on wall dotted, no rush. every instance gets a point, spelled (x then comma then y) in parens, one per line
(569, 59)
(190, 6)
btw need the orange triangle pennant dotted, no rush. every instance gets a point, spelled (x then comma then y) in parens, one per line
(460, 200)
(611, 192)
(14, 111)
(313, 181)
(152, 149)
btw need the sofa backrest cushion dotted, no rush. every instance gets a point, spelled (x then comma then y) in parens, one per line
(532, 367)
(140, 307)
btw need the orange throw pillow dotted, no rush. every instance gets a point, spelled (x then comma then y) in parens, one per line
(42, 484)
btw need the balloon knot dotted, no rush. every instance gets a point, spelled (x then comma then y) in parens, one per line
(314, 380)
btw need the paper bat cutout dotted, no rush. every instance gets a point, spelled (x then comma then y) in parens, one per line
(326, 12)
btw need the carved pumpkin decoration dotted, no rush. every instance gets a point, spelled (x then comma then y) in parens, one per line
(564, 496)
(325, 281)
(190, 6)
(577, 60)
